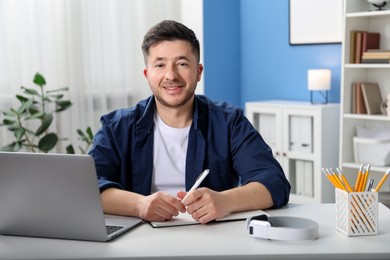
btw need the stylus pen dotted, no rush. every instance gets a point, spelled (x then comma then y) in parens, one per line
(197, 183)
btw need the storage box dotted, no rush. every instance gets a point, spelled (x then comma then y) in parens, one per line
(357, 213)
(372, 151)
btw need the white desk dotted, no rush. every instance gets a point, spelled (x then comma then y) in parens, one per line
(214, 241)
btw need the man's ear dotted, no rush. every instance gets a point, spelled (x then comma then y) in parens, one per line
(145, 72)
(200, 70)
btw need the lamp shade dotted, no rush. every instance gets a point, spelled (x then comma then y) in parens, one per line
(318, 79)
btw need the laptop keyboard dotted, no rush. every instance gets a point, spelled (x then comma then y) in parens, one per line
(112, 229)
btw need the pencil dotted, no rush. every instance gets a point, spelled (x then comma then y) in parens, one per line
(349, 189)
(330, 178)
(337, 179)
(362, 178)
(377, 188)
(366, 177)
(357, 183)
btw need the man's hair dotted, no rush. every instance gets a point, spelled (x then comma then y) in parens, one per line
(169, 30)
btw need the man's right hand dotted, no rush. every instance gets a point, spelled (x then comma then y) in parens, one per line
(159, 206)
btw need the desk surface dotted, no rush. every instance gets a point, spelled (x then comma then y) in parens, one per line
(227, 240)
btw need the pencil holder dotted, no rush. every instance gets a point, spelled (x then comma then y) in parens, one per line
(357, 213)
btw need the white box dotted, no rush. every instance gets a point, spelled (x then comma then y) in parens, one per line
(357, 213)
(373, 151)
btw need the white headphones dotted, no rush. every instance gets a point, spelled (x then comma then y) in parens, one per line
(282, 228)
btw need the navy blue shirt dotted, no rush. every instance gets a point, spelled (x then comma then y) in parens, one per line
(220, 139)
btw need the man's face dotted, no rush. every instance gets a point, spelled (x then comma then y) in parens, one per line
(173, 72)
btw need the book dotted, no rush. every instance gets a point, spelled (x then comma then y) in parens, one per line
(352, 47)
(375, 61)
(378, 50)
(372, 97)
(360, 42)
(376, 55)
(353, 99)
(358, 47)
(360, 105)
(184, 219)
(370, 40)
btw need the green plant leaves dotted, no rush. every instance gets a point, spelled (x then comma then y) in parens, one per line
(30, 91)
(48, 142)
(13, 147)
(25, 105)
(31, 121)
(70, 149)
(45, 124)
(39, 80)
(18, 133)
(62, 105)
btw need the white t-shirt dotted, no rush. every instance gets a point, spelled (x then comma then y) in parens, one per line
(169, 157)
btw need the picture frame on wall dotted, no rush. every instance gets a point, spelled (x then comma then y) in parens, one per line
(315, 21)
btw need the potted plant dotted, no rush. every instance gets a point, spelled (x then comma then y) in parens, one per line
(30, 122)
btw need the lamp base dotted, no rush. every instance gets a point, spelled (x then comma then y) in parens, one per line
(324, 95)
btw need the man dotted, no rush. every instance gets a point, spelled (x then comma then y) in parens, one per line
(148, 155)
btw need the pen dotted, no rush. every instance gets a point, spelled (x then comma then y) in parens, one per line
(382, 180)
(370, 184)
(198, 182)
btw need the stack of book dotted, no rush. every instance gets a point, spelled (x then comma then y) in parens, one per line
(361, 42)
(366, 98)
(376, 56)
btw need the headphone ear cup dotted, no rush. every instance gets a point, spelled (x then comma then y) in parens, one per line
(261, 217)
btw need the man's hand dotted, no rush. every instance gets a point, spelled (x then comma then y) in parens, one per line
(160, 206)
(205, 205)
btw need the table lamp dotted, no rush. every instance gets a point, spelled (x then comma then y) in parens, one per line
(319, 80)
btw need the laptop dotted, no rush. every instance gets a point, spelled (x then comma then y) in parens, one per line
(55, 196)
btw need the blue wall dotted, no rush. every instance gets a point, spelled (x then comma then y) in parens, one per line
(255, 61)
(222, 74)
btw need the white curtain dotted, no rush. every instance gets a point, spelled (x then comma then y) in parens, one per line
(91, 46)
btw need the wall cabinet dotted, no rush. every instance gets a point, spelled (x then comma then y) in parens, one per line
(304, 139)
(359, 15)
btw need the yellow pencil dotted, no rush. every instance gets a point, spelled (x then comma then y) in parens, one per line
(365, 178)
(382, 180)
(361, 181)
(337, 179)
(357, 183)
(329, 178)
(346, 184)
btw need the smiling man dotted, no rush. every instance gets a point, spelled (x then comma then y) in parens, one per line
(149, 155)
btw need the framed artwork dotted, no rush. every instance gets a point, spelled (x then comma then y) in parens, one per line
(315, 21)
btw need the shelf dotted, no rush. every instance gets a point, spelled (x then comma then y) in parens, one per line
(358, 17)
(368, 14)
(356, 166)
(367, 117)
(367, 66)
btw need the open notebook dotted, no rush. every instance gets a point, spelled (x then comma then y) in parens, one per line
(186, 219)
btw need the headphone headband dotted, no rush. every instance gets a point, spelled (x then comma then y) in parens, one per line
(282, 228)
